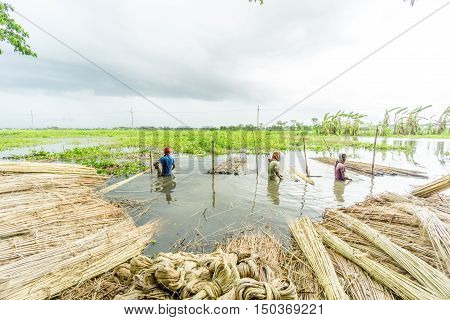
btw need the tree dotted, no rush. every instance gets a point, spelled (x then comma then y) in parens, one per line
(11, 32)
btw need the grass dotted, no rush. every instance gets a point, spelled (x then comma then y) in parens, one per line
(107, 160)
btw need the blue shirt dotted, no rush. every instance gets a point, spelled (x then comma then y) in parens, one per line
(167, 163)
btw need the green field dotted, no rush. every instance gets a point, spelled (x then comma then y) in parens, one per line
(118, 150)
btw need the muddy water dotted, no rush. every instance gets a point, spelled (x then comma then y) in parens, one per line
(200, 209)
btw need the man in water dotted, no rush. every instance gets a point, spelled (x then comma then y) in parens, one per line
(273, 170)
(339, 168)
(166, 164)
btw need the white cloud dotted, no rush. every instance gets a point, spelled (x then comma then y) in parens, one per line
(211, 62)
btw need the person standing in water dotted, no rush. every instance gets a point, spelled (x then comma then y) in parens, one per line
(166, 164)
(274, 166)
(339, 168)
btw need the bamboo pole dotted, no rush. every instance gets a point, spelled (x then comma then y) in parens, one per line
(213, 156)
(151, 162)
(374, 150)
(306, 159)
(121, 183)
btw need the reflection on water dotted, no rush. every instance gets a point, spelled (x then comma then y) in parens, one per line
(339, 188)
(166, 185)
(273, 191)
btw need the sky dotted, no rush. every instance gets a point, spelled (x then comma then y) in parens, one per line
(211, 62)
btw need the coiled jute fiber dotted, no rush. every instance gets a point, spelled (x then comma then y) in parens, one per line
(217, 275)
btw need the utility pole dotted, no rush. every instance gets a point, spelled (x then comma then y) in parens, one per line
(132, 117)
(257, 119)
(32, 119)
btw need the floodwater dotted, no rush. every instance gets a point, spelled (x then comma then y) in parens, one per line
(200, 209)
(59, 146)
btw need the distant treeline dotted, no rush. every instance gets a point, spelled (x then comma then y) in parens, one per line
(397, 121)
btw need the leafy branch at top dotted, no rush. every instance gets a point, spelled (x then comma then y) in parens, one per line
(13, 33)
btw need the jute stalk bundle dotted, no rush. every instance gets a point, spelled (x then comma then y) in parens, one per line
(379, 170)
(384, 214)
(296, 175)
(38, 167)
(357, 283)
(307, 239)
(46, 274)
(234, 166)
(398, 283)
(437, 231)
(39, 181)
(432, 279)
(25, 235)
(433, 187)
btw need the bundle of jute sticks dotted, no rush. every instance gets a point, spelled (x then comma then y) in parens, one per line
(41, 167)
(379, 170)
(56, 232)
(433, 187)
(234, 166)
(45, 274)
(42, 211)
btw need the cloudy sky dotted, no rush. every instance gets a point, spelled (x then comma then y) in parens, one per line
(212, 62)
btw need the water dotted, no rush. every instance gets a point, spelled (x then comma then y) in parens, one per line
(60, 146)
(200, 209)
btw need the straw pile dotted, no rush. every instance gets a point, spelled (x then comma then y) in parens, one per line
(43, 211)
(38, 167)
(234, 166)
(379, 170)
(306, 237)
(45, 274)
(433, 187)
(26, 182)
(55, 231)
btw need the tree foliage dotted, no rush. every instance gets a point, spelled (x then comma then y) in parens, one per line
(13, 33)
